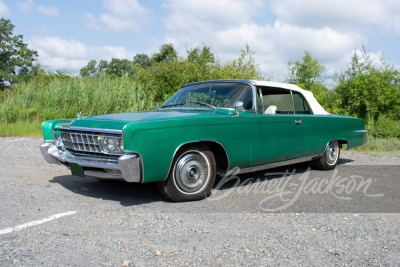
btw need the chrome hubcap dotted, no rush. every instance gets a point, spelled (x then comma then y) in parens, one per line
(191, 172)
(332, 152)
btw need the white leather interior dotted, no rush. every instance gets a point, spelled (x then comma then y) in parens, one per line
(270, 110)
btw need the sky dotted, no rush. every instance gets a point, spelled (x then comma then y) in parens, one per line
(67, 34)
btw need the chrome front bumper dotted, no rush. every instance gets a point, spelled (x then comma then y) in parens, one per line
(126, 167)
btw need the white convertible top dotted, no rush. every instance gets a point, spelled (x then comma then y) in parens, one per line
(315, 106)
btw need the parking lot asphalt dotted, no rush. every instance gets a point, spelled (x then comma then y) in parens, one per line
(285, 216)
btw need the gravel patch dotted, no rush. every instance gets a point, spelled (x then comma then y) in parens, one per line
(370, 158)
(118, 224)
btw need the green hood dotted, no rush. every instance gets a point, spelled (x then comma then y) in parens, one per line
(119, 120)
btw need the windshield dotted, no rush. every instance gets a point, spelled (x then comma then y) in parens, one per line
(220, 95)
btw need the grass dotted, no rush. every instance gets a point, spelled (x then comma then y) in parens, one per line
(23, 109)
(47, 98)
(24, 129)
(391, 144)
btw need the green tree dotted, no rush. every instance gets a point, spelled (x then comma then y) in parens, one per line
(117, 67)
(90, 70)
(167, 53)
(244, 67)
(15, 57)
(25, 74)
(166, 77)
(200, 55)
(103, 64)
(203, 59)
(367, 90)
(307, 74)
(142, 60)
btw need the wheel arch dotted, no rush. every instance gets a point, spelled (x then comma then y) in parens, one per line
(342, 142)
(218, 150)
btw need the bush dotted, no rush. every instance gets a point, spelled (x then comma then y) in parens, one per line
(384, 127)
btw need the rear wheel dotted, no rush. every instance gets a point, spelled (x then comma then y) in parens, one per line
(330, 158)
(192, 175)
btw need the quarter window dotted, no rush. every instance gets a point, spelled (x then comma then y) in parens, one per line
(300, 104)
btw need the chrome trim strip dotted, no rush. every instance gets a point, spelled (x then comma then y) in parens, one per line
(291, 96)
(92, 162)
(180, 119)
(104, 175)
(249, 82)
(254, 93)
(365, 136)
(188, 108)
(262, 101)
(85, 129)
(276, 164)
(358, 132)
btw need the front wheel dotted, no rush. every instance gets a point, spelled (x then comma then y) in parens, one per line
(330, 158)
(192, 175)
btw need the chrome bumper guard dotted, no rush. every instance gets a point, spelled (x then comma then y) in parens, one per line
(365, 136)
(126, 167)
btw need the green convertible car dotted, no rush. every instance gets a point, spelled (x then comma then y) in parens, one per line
(204, 130)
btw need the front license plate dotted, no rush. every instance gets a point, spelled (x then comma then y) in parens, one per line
(77, 170)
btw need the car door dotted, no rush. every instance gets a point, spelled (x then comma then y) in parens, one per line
(313, 126)
(277, 133)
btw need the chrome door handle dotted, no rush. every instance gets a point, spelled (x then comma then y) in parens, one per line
(298, 121)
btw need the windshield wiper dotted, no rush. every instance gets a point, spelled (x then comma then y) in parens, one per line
(170, 105)
(203, 103)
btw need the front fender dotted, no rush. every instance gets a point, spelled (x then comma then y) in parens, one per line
(158, 141)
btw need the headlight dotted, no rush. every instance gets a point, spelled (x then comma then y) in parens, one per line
(57, 138)
(111, 145)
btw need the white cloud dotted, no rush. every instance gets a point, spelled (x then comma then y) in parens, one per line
(50, 11)
(57, 53)
(90, 22)
(26, 7)
(277, 44)
(4, 11)
(209, 15)
(125, 16)
(393, 26)
(343, 14)
(227, 26)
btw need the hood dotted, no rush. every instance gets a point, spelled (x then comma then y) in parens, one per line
(119, 120)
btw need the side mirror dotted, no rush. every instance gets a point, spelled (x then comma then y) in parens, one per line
(238, 107)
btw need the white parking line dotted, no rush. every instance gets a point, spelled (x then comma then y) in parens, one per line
(25, 225)
(12, 141)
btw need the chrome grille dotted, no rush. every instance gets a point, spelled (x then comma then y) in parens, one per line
(81, 141)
